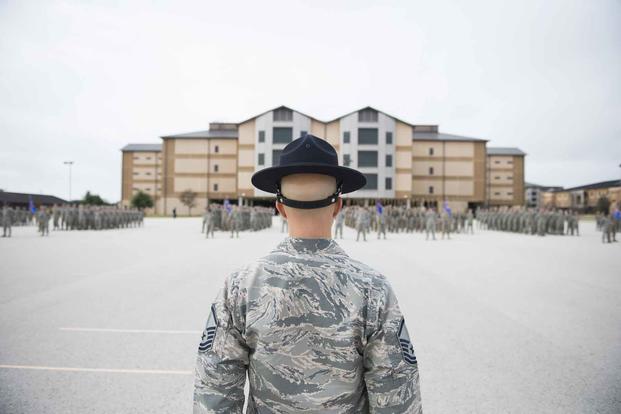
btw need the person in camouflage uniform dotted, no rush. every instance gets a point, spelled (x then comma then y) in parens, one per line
(314, 330)
(338, 224)
(8, 217)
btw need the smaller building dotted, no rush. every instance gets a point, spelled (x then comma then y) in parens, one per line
(534, 193)
(584, 198)
(141, 171)
(505, 176)
(22, 200)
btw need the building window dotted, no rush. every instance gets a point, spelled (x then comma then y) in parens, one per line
(430, 170)
(367, 115)
(430, 151)
(215, 167)
(388, 160)
(148, 158)
(431, 189)
(136, 158)
(371, 182)
(496, 178)
(510, 177)
(148, 173)
(388, 183)
(367, 158)
(497, 194)
(216, 149)
(346, 160)
(282, 135)
(261, 136)
(283, 115)
(303, 133)
(276, 157)
(510, 162)
(215, 187)
(346, 137)
(510, 193)
(367, 136)
(496, 162)
(147, 189)
(136, 173)
(261, 160)
(388, 137)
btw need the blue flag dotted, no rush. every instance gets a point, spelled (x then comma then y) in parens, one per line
(31, 205)
(227, 205)
(379, 207)
(447, 208)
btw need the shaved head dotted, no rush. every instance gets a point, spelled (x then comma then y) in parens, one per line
(309, 187)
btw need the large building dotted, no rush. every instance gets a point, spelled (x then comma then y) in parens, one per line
(403, 162)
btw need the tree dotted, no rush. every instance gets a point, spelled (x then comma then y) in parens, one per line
(188, 199)
(603, 205)
(142, 200)
(92, 199)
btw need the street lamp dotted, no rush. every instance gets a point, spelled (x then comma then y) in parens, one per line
(69, 163)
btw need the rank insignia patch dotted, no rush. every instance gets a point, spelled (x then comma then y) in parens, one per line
(209, 334)
(407, 350)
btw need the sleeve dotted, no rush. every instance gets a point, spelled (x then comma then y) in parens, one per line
(222, 361)
(391, 368)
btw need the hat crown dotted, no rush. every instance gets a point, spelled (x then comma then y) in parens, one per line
(311, 149)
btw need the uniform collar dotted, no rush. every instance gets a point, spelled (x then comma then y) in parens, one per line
(295, 245)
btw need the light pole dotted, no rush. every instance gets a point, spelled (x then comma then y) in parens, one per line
(69, 163)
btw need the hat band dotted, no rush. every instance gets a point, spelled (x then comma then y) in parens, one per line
(307, 205)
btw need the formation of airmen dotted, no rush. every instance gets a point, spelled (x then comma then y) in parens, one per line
(70, 217)
(530, 221)
(235, 219)
(396, 219)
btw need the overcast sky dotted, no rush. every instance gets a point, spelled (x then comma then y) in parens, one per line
(79, 80)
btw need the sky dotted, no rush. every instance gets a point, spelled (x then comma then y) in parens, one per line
(79, 80)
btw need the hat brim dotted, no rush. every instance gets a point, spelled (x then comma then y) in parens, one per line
(267, 178)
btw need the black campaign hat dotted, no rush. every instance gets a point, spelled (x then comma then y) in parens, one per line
(311, 155)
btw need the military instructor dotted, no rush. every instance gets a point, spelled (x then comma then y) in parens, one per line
(315, 330)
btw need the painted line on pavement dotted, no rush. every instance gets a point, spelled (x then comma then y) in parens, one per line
(107, 370)
(148, 331)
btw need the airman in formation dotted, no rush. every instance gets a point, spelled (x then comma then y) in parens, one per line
(235, 219)
(609, 225)
(7, 217)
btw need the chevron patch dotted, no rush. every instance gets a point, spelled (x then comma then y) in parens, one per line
(407, 350)
(209, 334)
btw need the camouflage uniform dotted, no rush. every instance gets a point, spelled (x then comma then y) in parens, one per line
(338, 223)
(315, 330)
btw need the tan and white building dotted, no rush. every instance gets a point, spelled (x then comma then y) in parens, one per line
(505, 176)
(403, 162)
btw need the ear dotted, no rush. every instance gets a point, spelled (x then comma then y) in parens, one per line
(337, 207)
(281, 209)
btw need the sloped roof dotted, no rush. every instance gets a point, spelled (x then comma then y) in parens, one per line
(440, 136)
(220, 133)
(595, 186)
(142, 147)
(543, 187)
(505, 151)
(280, 107)
(374, 109)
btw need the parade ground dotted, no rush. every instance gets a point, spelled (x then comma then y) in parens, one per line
(110, 321)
